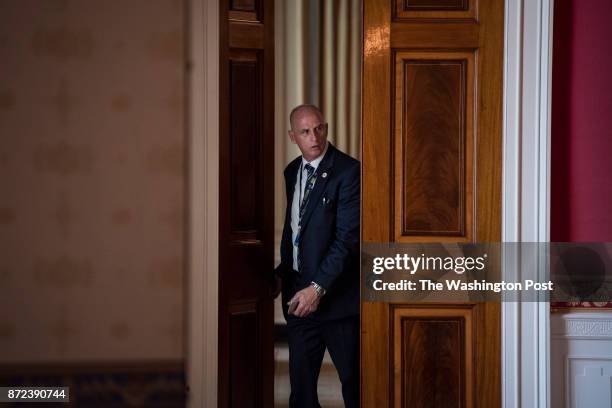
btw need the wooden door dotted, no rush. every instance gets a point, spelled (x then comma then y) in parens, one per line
(432, 137)
(246, 204)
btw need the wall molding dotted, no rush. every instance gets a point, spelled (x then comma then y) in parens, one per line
(526, 195)
(581, 325)
(203, 212)
(581, 360)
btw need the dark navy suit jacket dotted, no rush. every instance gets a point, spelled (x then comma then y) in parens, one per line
(329, 242)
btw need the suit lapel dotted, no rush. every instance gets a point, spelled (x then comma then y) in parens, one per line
(290, 180)
(323, 173)
(291, 185)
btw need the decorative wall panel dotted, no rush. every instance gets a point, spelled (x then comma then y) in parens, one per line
(435, 5)
(434, 146)
(433, 355)
(244, 356)
(243, 5)
(435, 9)
(245, 134)
(244, 10)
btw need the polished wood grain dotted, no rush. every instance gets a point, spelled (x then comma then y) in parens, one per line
(246, 204)
(435, 4)
(244, 358)
(489, 191)
(431, 147)
(376, 187)
(433, 355)
(244, 16)
(489, 83)
(376, 115)
(394, 33)
(435, 9)
(432, 360)
(243, 5)
(430, 36)
(434, 142)
(375, 356)
(246, 35)
(246, 143)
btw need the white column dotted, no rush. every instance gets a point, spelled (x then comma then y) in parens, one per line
(526, 197)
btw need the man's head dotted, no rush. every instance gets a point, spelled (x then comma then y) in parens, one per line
(308, 131)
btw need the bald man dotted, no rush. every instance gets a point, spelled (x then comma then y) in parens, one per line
(320, 260)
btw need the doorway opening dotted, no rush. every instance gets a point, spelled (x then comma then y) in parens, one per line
(317, 46)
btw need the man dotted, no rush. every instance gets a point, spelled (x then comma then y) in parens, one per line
(320, 260)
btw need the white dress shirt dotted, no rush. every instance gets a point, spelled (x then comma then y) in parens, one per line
(298, 194)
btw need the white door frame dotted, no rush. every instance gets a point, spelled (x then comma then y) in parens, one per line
(526, 195)
(525, 207)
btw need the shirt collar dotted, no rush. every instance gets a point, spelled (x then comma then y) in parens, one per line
(315, 163)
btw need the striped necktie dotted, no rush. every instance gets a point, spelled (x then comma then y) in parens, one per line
(310, 181)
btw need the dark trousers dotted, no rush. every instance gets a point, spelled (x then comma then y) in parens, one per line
(308, 338)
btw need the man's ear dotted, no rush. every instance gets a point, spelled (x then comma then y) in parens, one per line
(291, 135)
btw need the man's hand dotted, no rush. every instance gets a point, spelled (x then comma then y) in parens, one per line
(308, 301)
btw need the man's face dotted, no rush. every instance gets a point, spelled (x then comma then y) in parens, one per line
(309, 132)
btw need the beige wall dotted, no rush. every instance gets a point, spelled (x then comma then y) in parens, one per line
(92, 180)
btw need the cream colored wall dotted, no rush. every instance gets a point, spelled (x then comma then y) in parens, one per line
(92, 180)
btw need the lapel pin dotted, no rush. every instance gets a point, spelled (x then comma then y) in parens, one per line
(324, 175)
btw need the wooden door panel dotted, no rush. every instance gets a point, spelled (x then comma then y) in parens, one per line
(432, 109)
(243, 368)
(434, 360)
(443, 9)
(243, 5)
(247, 177)
(434, 132)
(246, 210)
